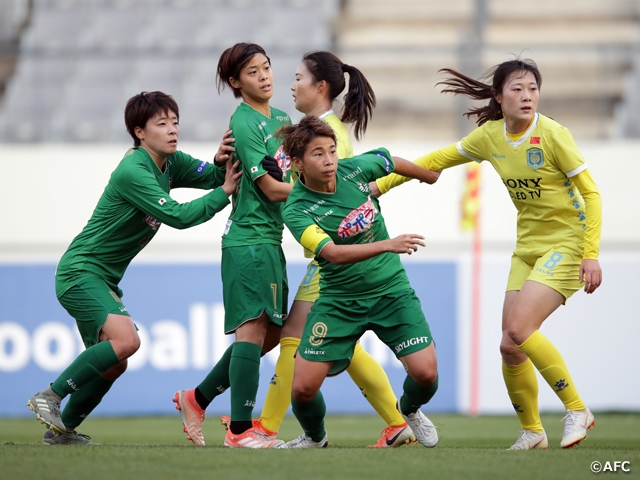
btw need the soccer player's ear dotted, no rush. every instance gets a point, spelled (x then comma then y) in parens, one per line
(270, 164)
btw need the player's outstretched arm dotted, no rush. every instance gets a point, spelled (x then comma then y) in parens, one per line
(409, 169)
(344, 254)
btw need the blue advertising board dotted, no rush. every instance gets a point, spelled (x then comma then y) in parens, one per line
(179, 311)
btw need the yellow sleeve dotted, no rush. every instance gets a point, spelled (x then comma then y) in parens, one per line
(343, 144)
(437, 160)
(314, 238)
(593, 204)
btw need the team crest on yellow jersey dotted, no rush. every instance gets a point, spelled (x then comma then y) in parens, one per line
(535, 158)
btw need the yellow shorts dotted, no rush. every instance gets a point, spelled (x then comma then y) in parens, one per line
(309, 289)
(559, 269)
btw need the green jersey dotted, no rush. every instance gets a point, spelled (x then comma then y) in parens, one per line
(132, 207)
(350, 215)
(254, 218)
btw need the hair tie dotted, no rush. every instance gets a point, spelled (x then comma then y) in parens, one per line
(344, 67)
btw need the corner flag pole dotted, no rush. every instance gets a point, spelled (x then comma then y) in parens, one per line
(471, 221)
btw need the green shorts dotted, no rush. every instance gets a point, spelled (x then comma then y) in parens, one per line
(334, 325)
(559, 268)
(309, 289)
(254, 280)
(90, 301)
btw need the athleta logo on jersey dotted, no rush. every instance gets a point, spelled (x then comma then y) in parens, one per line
(410, 342)
(359, 220)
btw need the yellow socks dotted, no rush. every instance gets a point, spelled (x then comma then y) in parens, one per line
(370, 377)
(522, 386)
(278, 396)
(547, 359)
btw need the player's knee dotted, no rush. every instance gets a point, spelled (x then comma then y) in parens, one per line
(303, 393)
(116, 371)
(508, 349)
(511, 354)
(425, 376)
(125, 347)
(516, 334)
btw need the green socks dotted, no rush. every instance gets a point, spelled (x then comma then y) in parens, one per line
(415, 395)
(244, 374)
(217, 381)
(82, 402)
(311, 416)
(90, 364)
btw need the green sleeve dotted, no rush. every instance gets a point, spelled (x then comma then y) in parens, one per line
(251, 149)
(139, 187)
(190, 172)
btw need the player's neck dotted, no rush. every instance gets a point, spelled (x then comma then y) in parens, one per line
(260, 107)
(320, 110)
(517, 126)
(159, 160)
(321, 187)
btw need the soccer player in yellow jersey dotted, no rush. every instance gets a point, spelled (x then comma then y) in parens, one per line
(320, 78)
(559, 222)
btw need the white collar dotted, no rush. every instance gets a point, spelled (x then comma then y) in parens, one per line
(525, 135)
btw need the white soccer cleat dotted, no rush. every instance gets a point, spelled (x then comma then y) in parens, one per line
(306, 442)
(423, 428)
(577, 422)
(529, 440)
(250, 439)
(46, 406)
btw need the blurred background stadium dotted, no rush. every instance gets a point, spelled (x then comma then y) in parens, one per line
(65, 60)
(67, 68)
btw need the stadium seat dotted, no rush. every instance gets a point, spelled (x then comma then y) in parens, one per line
(54, 31)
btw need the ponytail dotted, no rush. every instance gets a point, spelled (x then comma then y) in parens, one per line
(359, 101)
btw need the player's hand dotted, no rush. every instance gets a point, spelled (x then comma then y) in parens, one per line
(231, 177)
(373, 186)
(590, 274)
(270, 164)
(225, 150)
(435, 174)
(407, 243)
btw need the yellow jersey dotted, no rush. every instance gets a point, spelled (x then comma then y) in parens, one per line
(542, 170)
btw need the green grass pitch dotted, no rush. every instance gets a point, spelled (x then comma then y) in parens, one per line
(470, 448)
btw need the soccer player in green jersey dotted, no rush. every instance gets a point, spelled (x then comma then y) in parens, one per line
(559, 223)
(319, 79)
(363, 286)
(254, 278)
(134, 204)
